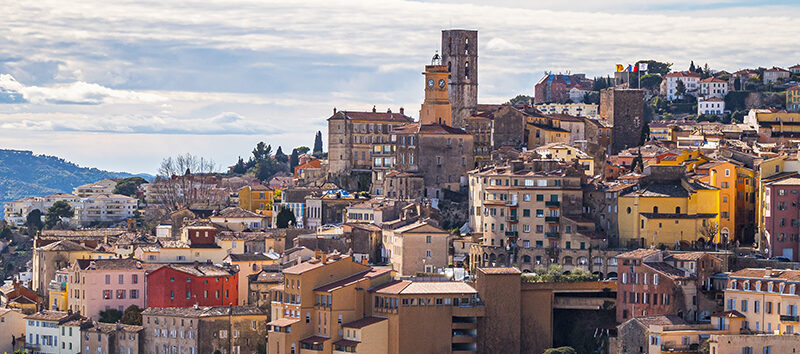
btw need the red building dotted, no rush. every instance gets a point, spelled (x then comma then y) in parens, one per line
(554, 88)
(184, 285)
(782, 216)
(200, 235)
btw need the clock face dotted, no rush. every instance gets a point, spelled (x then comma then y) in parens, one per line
(430, 82)
(442, 83)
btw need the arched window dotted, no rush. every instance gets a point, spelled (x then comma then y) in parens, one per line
(583, 261)
(526, 259)
(449, 67)
(677, 210)
(629, 210)
(597, 260)
(466, 46)
(655, 210)
(466, 70)
(567, 260)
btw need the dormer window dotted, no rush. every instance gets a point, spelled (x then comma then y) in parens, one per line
(781, 287)
(769, 287)
(747, 285)
(733, 284)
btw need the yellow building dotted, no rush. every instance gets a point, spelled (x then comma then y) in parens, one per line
(566, 152)
(543, 130)
(722, 174)
(661, 131)
(436, 108)
(417, 247)
(767, 298)
(774, 125)
(257, 199)
(668, 208)
(57, 291)
(793, 99)
(248, 264)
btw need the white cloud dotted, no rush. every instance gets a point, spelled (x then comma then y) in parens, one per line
(74, 93)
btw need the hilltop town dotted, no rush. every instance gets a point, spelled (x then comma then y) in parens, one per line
(649, 210)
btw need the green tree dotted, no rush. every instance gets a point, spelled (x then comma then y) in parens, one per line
(110, 316)
(294, 160)
(680, 88)
(692, 67)
(129, 186)
(737, 84)
(60, 209)
(656, 67)
(561, 350)
(132, 316)
(645, 135)
(5, 233)
(240, 167)
(317, 144)
(266, 168)
(280, 156)
(285, 218)
(592, 97)
(651, 81)
(302, 150)
(521, 100)
(261, 151)
(34, 221)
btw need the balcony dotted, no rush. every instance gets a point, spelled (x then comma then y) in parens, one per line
(790, 318)
(552, 203)
(512, 218)
(552, 235)
(512, 233)
(57, 286)
(551, 218)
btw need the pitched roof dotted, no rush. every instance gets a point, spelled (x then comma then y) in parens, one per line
(662, 320)
(500, 270)
(203, 311)
(429, 129)
(729, 314)
(314, 264)
(683, 74)
(367, 274)
(249, 257)
(366, 321)
(283, 322)
(113, 264)
(666, 268)
(64, 245)
(685, 256)
(712, 79)
(640, 253)
(419, 287)
(780, 274)
(373, 116)
(201, 270)
(236, 212)
(47, 315)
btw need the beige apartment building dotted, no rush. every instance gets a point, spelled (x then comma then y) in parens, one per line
(332, 304)
(351, 136)
(417, 247)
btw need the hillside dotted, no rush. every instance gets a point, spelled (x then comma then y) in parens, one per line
(23, 174)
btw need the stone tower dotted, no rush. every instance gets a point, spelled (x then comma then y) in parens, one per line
(460, 55)
(436, 108)
(624, 110)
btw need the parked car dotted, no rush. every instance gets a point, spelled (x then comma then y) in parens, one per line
(780, 259)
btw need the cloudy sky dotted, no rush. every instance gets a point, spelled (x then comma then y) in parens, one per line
(121, 84)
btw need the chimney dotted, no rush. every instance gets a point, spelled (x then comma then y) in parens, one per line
(334, 110)
(389, 110)
(373, 109)
(323, 258)
(402, 111)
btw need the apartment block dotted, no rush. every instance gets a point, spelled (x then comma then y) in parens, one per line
(185, 285)
(96, 285)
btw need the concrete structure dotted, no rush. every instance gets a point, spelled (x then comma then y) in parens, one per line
(15, 212)
(97, 285)
(13, 324)
(793, 99)
(690, 80)
(248, 264)
(417, 247)
(238, 219)
(184, 285)
(710, 106)
(765, 298)
(109, 338)
(352, 133)
(47, 260)
(104, 209)
(712, 87)
(574, 109)
(776, 75)
(196, 330)
(43, 330)
(623, 109)
(103, 186)
(460, 55)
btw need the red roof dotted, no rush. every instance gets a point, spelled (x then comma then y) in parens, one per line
(712, 79)
(429, 129)
(374, 116)
(683, 74)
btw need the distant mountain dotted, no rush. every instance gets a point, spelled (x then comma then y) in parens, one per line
(23, 174)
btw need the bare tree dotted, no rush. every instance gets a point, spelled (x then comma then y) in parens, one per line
(183, 180)
(709, 230)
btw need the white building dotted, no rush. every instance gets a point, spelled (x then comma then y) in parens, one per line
(576, 95)
(16, 211)
(690, 80)
(104, 208)
(103, 186)
(573, 109)
(43, 329)
(775, 73)
(713, 87)
(715, 106)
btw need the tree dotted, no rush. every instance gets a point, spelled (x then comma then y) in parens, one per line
(132, 316)
(110, 316)
(285, 218)
(34, 222)
(60, 209)
(592, 97)
(561, 350)
(317, 144)
(178, 187)
(651, 81)
(521, 100)
(267, 168)
(280, 156)
(302, 150)
(240, 167)
(680, 88)
(737, 84)
(294, 160)
(656, 67)
(709, 230)
(129, 186)
(262, 151)
(645, 135)
(5, 233)
(692, 67)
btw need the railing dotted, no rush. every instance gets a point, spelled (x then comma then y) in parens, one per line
(790, 318)
(552, 203)
(551, 234)
(512, 233)
(551, 218)
(512, 218)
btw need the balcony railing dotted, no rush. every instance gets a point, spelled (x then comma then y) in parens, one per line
(512, 218)
(552, 235)
(511, 234)
(552, 203)
(790, 318)
(551, 219)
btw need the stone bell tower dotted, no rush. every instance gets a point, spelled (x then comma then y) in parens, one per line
(460, 55)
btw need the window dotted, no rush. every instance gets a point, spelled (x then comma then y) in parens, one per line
(427, 239)
(108, 278)
(106, 294)
(135, 279)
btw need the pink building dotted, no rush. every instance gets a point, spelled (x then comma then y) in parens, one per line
(100, 284)
(782, 217)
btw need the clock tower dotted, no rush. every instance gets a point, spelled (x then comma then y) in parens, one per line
(436, 108)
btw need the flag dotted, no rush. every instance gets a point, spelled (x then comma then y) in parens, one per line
(642, 66)
(620, 68)
(630, 68)
(635, 68)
